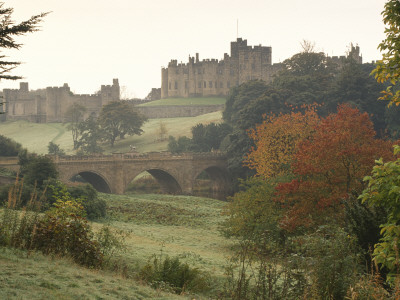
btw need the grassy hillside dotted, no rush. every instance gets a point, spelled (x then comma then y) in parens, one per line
(40, 277)
(177, 225)
(181, 226)
(36, 137)
(186, 101)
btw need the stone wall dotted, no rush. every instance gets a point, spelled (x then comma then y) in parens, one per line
(211, 77)
(50, 104)
(177, 111)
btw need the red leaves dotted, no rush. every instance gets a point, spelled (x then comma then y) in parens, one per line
(330, 162)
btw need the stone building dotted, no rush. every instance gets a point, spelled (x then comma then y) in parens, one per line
(50, 104)
(210, 77)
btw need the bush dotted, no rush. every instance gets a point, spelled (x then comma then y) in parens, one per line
(38, 169)
(16, 227)
(8, 147)
(95, 208)
(171, 272)
(64, 231)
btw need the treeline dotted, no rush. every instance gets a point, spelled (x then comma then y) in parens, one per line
(307, 78)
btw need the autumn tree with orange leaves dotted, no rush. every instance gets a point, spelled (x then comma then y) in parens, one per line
(276, 139)
(329, 165)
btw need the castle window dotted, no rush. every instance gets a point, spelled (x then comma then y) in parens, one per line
(199, 84)
(199, 71)
(228, 84)
(253, 66)
(216, 84)
(210, 84)
(185, 71)
(232, 72)
(176, 85)
(221, 84)
(177, 71)
(186, 84)
(169, 86)
(205, 84)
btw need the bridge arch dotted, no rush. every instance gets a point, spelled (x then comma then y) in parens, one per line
(168, 182)
(219, 179)
(95, 179)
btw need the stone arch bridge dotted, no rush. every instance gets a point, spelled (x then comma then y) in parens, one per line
(175, 173)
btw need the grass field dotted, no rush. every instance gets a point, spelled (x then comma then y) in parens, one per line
(186, 101)
(36, 137)
(40, 277)
(181, 226)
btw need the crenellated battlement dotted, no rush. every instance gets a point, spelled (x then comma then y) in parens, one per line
(51, 103)
(213, 77)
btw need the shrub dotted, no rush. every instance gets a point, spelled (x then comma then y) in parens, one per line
(8, 147)
(37, 169)
(253, 273)
(171, 272)
(95, 208)
(64, 231)
(16, 227)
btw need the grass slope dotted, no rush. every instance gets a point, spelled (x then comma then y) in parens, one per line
(176, 225)
(36, 137)
(186, 101)
(181, 226)
(40, 277)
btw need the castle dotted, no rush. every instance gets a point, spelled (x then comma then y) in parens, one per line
(211, 77)
(208, 77)
(50, 104)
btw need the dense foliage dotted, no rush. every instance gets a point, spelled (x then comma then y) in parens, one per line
(8, 147)
(118, 119)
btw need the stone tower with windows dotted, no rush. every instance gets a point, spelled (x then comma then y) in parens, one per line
(210, 77)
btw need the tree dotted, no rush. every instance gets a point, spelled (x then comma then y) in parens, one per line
(8, 31)
(206, 138)
(162, 131)
(387, 69)
(182, 144)
(276, 140)
(55, 149)
(74, 115)
(329, 165)
(8, 147)
(118, 119)
(383, 191)
(90, 134)
(37, 169)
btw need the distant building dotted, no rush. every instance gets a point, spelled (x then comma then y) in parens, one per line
(50, 104)
(211, 77)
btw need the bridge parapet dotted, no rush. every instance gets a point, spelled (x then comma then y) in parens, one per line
(139, 156)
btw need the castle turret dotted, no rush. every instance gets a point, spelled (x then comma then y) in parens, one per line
(110, 93)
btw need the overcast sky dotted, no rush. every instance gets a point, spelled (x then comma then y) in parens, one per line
(87, 43)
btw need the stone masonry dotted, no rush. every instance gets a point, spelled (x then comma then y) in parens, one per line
(50, 104)
(211, 77)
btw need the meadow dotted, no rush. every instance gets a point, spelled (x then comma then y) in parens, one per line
(36, 137)
(181, 226)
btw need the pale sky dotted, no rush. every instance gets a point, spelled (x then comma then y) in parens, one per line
(87, 43)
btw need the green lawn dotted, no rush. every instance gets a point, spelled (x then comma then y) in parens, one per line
(186, 101)
(181, 226)
(36, 137)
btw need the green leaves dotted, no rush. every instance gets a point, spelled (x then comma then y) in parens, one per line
(384, 191)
